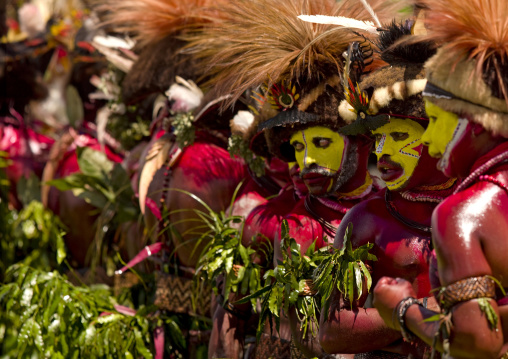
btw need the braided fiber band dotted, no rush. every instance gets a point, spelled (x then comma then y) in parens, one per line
(467, 289)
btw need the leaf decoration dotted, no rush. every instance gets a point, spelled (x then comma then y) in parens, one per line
(287, 285)
(345, 270)
(225, 254)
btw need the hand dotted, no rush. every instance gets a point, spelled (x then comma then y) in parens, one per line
(387, 294)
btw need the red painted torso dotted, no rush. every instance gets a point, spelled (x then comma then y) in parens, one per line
(401, 251)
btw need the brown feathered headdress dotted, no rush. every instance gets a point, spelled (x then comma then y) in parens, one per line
(156, 25)
(469, 73)
(294, 65)
(152, 20)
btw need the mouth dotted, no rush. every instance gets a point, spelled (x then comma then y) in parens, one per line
(316, 181)
(390, 171)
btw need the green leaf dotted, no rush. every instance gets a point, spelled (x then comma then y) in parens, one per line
(60, 250)
(350, 294)
(358, 279)
(273, 301)
(367, 275)
(293, 297)
(245, 280)
(140, 345)
(243, 254)
(108, 318)
(434, 318)
(93, 163)
(489, 312)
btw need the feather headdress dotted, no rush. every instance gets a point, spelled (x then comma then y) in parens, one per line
(394, 90)
(469, 73)
(152, 20)
(156, 24)
(263, 41)
(294, 66)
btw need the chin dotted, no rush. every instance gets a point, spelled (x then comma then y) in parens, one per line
(318, 191)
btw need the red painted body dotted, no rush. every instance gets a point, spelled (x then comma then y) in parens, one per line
(469, 235)
(402, 252)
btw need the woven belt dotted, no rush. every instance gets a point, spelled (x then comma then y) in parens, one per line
(175, 294)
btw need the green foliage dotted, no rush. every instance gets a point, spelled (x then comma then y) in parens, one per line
(106, 186)
(129, 128)
(285, 285)
(34, 236)
(183, 128)
(224, 254)
(43, 315)
(102, 183)
(237, 146)
(345, 270)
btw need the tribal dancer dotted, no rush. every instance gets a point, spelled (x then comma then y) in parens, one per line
(396, 220)
(467, 103)
(295, 67)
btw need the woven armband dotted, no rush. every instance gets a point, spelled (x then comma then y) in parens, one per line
(467, 289)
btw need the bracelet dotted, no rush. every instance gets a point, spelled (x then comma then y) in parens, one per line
(401, 310)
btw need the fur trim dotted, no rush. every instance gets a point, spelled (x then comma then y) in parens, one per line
(459, 79)
(346, 112)
(493, 121)
(474, 31)
(382, 97)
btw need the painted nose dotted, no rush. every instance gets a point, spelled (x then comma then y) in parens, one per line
(307, 161)
(387, 148)
(427, 136)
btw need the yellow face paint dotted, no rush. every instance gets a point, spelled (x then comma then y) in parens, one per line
(398, 149)
(444, 130)
(320, 146)
(319, 152)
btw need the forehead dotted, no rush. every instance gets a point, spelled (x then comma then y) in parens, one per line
(400, 125)
(315, 132)
(434, 110)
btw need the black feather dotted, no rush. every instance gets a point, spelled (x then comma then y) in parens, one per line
(393, 52)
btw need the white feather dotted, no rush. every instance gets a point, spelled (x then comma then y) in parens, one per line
(185, 94)
(371, 12)
(114, 42)
(241, 122)
(340, 21)
(31, 21)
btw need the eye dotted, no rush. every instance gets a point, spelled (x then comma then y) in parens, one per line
(321, 142)
(298, 146)
(399, 136)
(324, 142)
(378, 137)
(432, 119)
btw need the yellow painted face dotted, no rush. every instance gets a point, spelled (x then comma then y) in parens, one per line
(320, 146)
(398, 149)
(319, 152)
(444, 131)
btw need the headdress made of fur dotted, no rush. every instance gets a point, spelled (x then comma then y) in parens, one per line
(393, 90)
(469, 73)
(294, 65)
